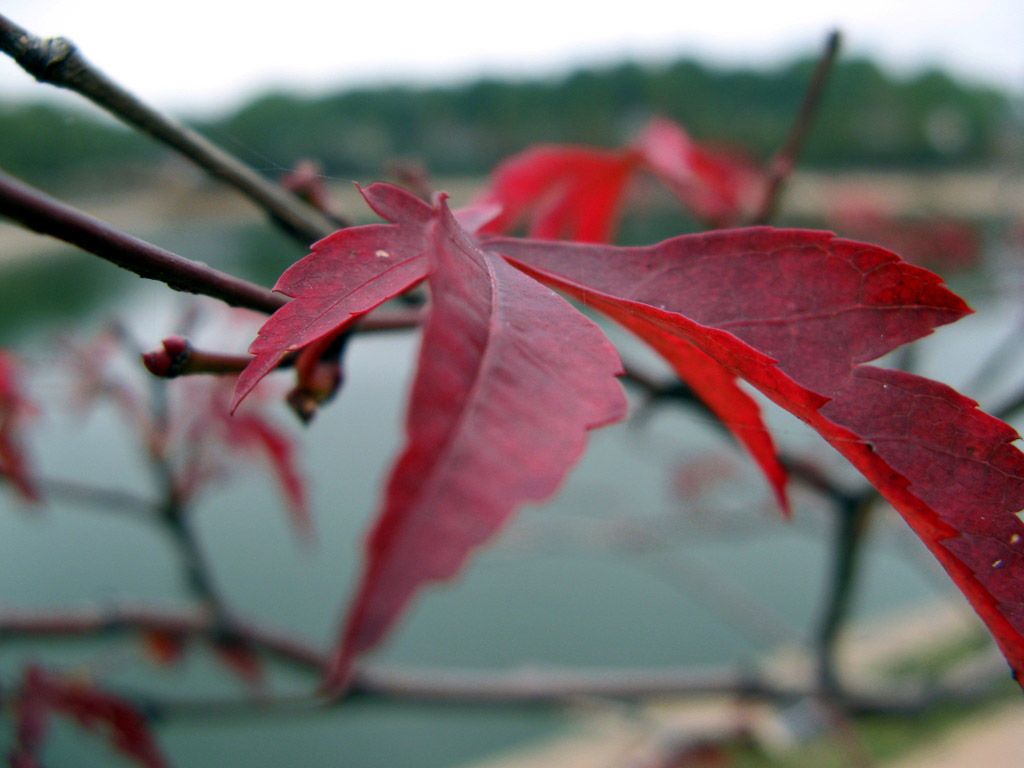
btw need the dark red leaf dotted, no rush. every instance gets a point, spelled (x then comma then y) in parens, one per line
(15, 410)
(795, 313)
(942, 244)
(118, 721)
(510, 380)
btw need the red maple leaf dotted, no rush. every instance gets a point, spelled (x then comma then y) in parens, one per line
(510, 379)
(575, 193)
(814, 308)
(15, 409)
(120, 723)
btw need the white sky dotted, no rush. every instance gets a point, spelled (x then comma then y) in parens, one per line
(210, 54)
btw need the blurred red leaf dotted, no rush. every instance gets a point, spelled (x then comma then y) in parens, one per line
(206, 427)
(115, 719)
(15, 410)
(306, 181)
(165, 648)
(814, 308)
(942, 244)
(575, 193)
(716, 183)
(510, 380)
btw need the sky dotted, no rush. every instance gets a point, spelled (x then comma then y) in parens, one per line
(208, 55)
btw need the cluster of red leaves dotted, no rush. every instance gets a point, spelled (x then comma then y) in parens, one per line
(511, 378)
(203, 430)
(15, 409)
(574, 192)
(43, 694)
(196, 432)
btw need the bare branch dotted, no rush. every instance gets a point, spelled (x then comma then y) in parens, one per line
(58, 62)
(785, 159)
(105, 499)
(44, 214)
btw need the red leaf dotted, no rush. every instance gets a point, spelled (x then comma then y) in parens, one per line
(564, 191)
(117, 720)
(574, 192)
(211, 425)
(717, 388)
(812, 308)
(15, 409)
(716, 184)
(510, 380)
(252, 432)
(346, 275)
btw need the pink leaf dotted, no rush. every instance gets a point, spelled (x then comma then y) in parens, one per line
(812, 308)
(510, 380)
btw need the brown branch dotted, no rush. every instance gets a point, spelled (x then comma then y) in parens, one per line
(192, 623)
(515, 688)
(785, 159)
(58, 62)
(42, 213)
(177, 357)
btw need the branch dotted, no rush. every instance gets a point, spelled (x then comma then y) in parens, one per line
(517, 688)
(105, 499)
(785, 159)
(42, 213)
(58, 62)
(191, 623)
(177, 357)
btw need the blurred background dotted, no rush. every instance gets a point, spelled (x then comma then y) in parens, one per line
(664, 550)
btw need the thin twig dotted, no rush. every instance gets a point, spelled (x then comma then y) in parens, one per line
(171, 361)
(785, 159)
(58, 62)
(186, 623)
(105, 499)
(42, 213)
